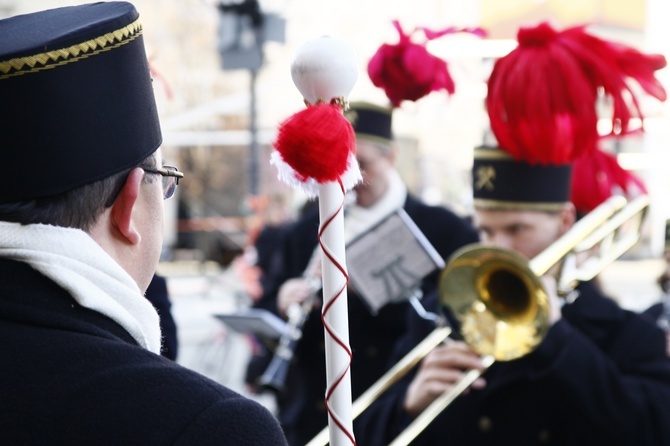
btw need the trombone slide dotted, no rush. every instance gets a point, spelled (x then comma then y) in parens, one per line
(421, 422)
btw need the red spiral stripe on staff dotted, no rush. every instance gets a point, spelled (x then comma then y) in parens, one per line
(328, 329)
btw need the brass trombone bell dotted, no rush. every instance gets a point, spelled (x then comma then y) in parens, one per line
(500, 302)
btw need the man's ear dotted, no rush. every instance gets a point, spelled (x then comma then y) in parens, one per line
(122, 209)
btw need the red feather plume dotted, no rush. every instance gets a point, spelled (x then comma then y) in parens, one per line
(542, 95)
(407, 71)
(597, 176)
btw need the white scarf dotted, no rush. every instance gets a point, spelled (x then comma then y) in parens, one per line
(357, 219)
(73, 260)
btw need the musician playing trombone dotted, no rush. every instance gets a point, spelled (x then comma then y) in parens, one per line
(599, 375)
(372, 336)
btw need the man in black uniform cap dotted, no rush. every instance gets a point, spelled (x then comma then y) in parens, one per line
(81, 224)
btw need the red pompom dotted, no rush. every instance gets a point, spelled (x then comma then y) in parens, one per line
(542, 96)
(597, 176)
(316, 143)
(407, 71)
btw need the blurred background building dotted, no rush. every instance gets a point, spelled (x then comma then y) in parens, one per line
(222, 71)
(223, 85)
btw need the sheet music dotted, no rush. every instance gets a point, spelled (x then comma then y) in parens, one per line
(387, 262)
(255, 321)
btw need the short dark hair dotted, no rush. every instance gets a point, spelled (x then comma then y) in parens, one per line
(77, 208)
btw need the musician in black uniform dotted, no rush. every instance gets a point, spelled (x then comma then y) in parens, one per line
(81, 231)
(600, 374)
(301, 406)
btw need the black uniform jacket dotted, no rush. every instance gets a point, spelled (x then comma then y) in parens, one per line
(69, 375)
(371, 337)
(600, 376)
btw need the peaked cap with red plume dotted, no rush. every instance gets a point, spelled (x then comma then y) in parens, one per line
(541, 104)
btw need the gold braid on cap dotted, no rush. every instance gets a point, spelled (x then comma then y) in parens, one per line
(51, 59)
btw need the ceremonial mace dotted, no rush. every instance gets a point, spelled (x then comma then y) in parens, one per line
(315, 151)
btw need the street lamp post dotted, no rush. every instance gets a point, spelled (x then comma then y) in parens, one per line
(243, 29)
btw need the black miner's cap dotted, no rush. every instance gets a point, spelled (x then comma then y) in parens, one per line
(370, 121)
(77, 103)
(501, 182)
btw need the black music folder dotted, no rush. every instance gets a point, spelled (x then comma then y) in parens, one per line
(256, 321)
(387, 262)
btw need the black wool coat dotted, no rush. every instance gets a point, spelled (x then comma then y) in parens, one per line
(72, 376)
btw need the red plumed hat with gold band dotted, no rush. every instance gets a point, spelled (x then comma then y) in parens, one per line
(541, 103)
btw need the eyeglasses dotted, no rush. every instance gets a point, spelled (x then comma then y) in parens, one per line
(171, 176)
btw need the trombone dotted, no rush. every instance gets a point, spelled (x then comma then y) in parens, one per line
(501, 303)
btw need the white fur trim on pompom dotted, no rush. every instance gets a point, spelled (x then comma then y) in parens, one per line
(310, 187)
